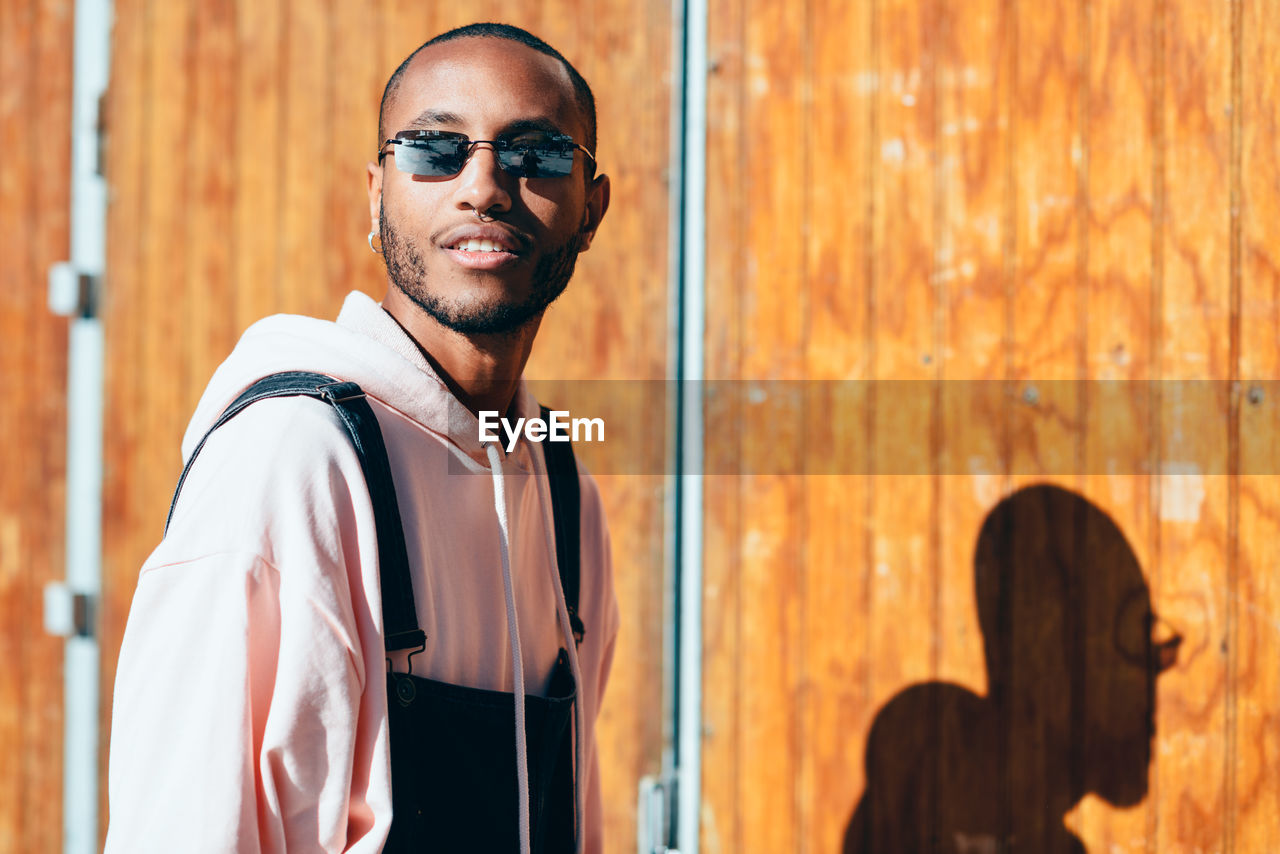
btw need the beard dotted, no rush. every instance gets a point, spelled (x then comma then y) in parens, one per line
(408, 272)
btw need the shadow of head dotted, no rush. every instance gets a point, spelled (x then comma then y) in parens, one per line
(1072, 645)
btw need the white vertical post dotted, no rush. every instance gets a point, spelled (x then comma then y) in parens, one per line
(692, 329)
(84, 427)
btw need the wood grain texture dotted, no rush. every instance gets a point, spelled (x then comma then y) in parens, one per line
(32, 367)
(1195, 575)
(240, 219)
(906, 330)
(833, 704)
(1049, 205)
(723, 762)
(976, 46)
(899, 190)
(1254, 808)
(1119, 343)
(35, 107)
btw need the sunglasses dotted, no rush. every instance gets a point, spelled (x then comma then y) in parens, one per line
(442, 154)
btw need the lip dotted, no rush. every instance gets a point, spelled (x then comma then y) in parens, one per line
(511, 242)
(509, 239)
(482, 260)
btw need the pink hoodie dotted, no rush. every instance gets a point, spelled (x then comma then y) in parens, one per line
(250, 701)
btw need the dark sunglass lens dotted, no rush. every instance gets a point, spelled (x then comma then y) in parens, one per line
(545, 158)
(430, 157)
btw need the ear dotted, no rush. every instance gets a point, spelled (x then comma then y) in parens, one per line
(374, 177)
(597, 205)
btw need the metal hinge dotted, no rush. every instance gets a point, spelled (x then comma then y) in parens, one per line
(67, 613)
(73, 292)
(655, 829)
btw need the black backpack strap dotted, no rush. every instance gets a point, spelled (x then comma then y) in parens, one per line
(399, 617)
(566, 509)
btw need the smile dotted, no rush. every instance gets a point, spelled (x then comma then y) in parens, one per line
(474, 245)
(485, 256)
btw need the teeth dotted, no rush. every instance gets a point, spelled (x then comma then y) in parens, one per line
(474, 245)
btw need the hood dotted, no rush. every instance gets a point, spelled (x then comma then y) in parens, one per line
(365, 346)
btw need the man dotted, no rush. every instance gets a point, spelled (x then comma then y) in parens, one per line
(251, 708)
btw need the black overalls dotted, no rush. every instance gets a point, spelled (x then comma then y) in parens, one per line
(453, 759)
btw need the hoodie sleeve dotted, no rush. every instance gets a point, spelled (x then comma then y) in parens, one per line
(240, 719)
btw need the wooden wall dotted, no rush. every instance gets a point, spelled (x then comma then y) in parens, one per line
(35, 113)
(1039, 199)
(941, 191)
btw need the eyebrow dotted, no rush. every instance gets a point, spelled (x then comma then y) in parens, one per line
(429, 118)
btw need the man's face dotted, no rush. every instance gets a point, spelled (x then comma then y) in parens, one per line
(484, 88)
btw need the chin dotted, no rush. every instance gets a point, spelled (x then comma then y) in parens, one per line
(1125, 782)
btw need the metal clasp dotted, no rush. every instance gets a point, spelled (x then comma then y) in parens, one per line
(340, 391)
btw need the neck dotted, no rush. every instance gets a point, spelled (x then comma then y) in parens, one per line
(482, 371)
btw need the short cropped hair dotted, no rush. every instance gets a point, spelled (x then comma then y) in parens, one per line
(581, 91)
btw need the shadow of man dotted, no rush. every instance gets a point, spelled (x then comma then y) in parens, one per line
(1072, 650)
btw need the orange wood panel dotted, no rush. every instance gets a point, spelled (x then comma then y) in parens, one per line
(973, 80)
(906, 333)
(1043, 411)
(1254, 808)
(307, 46)
(35, 78)
(1023, 606)
(207, 155)
(1047, 301)
(262, 145)
(723, 783)
(1194, 341)
(974, 83)
(764, 513)
(772, 512)
(834, 709)
(1119, 344)
(48, 147)
(124, 519)
(359, 75)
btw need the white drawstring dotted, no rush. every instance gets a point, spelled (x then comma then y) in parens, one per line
(571, 645)
(517, 659)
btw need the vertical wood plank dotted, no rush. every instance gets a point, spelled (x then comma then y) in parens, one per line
(1048, 309)
(970, 268)
(723, 785)
(35, 79)
(1120, 344)
(262, 147)
(972, 150)
(308, 86)
(18, 264)
(1195, 334)
(208, 156)
(1254, 810)
(775, 309)
(903, 603)
(49, 146)
(835, 710)
(125, 526)
(904, 350)
(1043, 413)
